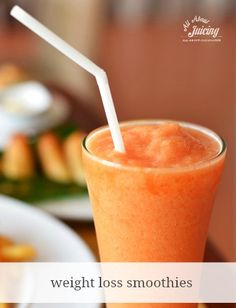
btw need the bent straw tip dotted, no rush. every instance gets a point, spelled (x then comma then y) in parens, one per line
(15, 10)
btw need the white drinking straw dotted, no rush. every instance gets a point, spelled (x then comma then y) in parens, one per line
(100, 75)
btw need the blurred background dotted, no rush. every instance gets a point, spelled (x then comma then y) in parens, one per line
(152, 72)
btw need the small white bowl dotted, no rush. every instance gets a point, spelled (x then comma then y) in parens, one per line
(25, 100)
(54, 116)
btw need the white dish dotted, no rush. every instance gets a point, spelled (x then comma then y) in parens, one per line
(49, 236)
(55, 115)
(24, 100)
(53, 240)
(71, 208)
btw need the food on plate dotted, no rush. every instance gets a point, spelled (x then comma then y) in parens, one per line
(73, 152)
(17, 253)
(52, 158)
(51, 161)
(5, 305)
(10, 74)
(18, 160)
(5, 241)
(12, 252)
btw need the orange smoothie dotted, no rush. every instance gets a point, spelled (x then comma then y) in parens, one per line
(153, 203)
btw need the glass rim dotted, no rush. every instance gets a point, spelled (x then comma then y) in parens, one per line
(193, 166)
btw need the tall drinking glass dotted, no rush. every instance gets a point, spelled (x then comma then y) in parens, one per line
(152, 214)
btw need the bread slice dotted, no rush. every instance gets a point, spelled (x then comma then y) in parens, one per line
(18, 160)
(73, 153)
(52, 158)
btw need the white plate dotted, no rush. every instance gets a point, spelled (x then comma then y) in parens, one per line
(53, 240)
(77, 208)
